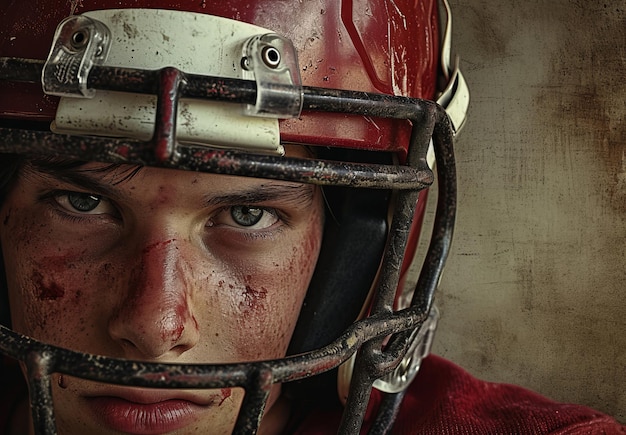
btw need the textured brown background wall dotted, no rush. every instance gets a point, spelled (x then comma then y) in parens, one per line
(534, 290)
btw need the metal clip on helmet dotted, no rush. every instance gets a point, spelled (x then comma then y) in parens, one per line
(222, 95)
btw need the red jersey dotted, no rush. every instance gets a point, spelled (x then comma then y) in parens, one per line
(444, 400)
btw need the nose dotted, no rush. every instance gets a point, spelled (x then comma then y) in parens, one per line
(155, 318)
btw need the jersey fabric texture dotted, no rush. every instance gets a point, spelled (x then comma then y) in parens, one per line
(444, 399)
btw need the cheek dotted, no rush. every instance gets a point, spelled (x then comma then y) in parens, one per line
(47, 283)
(268, 300)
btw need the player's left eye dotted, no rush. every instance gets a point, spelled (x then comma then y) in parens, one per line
(245, 216)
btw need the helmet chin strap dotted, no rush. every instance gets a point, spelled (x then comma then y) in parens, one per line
(455, 97)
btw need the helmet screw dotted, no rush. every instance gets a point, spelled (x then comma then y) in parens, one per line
(80, 39)
(271, 56)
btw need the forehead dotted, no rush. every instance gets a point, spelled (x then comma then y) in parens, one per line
(114, 173)
(107, 179)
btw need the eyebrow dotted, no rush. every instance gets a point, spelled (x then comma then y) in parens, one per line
(71, 172)
(298, 194)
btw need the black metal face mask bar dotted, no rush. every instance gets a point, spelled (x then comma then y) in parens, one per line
(365, 336)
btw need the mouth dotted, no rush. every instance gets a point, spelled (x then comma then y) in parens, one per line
(145, 412)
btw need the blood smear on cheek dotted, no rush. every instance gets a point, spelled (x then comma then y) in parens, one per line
(47, 291)
(253, 297)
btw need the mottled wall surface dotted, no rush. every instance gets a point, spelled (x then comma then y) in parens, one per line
(534, 291)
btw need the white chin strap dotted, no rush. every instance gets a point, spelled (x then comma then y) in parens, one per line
(455, 97)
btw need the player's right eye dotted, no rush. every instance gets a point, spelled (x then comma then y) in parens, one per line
(83, 203)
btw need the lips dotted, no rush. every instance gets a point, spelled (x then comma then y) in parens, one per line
(146, 412)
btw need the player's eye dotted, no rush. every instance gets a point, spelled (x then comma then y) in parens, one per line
(245, 216)
(83, 203)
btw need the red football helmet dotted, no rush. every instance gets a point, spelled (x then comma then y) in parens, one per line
(221, 87)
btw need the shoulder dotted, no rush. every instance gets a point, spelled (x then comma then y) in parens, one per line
(446, 399)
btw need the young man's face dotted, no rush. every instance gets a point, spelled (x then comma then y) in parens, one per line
(166, 266)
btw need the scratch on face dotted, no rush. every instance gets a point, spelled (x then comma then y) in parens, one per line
(226, 392)
(252, 296)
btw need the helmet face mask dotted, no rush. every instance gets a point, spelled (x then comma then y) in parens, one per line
(361, 180)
